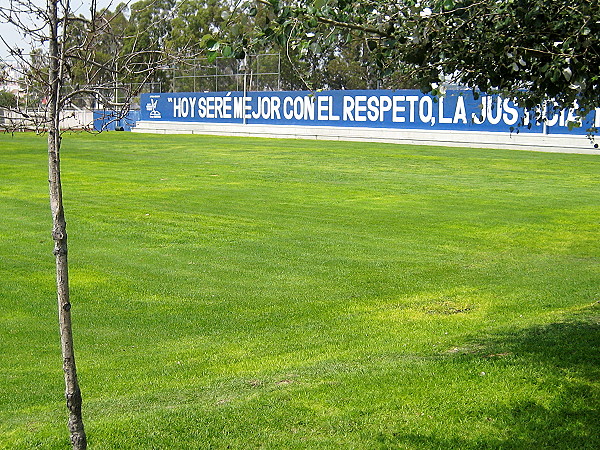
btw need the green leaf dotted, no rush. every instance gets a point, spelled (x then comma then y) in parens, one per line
(212, 45)
(227, 51)
(448, 5)
(205, 38)
(212, 56)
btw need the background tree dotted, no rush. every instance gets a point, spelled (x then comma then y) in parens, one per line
(192, 20)
(312, 56)
(145, 41)
(343, 63)
(8, 100)
(95, 52)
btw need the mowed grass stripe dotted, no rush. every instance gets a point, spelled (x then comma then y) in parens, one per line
(238, 292)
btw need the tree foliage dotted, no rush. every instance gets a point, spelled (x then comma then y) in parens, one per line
(146, 39)
(95, 46)
(531, 50)
(8, 100)
(194, 19)
(534, 50)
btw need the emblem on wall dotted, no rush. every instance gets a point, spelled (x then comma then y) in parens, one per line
(151, 106)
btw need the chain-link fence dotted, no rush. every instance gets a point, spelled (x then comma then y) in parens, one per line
(253, 73)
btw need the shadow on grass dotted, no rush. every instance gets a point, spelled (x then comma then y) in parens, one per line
(566, 358)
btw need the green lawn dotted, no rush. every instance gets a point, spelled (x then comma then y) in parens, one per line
(249, 293)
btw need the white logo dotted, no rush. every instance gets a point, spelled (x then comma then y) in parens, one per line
(154, 113)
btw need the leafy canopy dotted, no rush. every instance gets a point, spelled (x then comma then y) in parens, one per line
(533, 50)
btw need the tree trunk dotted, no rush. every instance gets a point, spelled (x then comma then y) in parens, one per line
(59, 234)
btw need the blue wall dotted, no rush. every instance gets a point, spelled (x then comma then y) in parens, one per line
(106, 120)
(402, 109)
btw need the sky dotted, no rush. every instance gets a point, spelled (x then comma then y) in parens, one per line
(13, 37)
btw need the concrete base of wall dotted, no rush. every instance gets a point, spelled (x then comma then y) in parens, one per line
(473, 139)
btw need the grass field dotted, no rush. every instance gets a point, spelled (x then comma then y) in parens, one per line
(248, 293)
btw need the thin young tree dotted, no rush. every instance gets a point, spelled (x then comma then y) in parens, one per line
(59, 230)
(67, 56)
(21, 14)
